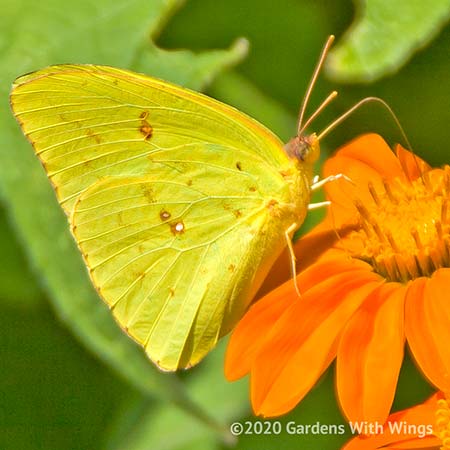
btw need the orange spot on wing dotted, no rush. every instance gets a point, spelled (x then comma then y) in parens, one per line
(177, 227)
(148, 193)
(96, 137)
(145, 129)
(164, 215)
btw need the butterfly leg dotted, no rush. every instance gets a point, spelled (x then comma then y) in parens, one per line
(287, 235)
(316, 184)
(318, 205)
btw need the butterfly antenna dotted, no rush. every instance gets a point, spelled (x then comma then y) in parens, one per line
(358, 105)
(322, 106)
(313, 82)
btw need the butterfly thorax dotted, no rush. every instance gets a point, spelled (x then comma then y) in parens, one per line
(303, 151)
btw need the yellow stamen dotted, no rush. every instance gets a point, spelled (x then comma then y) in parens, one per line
(426, 181)
(389, 192)
(373, 193)
(405, 228)
(442, 429)
(444, 211)
(416, 237)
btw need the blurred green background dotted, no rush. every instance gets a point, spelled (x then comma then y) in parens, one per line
(68, 378)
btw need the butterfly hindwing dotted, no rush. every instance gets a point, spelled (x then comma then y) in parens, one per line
(171, 259)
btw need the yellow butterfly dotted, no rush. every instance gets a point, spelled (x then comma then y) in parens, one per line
(179, 204)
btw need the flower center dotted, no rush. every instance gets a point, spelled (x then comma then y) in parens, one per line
(442, 430)
(405, 231)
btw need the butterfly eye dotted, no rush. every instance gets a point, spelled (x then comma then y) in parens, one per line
(309, 150)
(303, 148)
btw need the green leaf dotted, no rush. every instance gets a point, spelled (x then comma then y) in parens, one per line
(166, 428)
(18, 286)
(384, 36)
(194, 70)
(105, 32)
(236, 90)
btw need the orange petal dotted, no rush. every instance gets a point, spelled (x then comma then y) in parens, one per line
(342, 193)
(307, 250)
(419, 418)
(327, 240)
(311, 247)
(370, 355)
(252, 331)
(412, 165)
(437, 309)
(427, 326)
(300, 346)
(337, 262)
(366, 159)
(341, 216)
(373, 151)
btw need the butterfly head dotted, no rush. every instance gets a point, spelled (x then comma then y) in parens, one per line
(303, 148)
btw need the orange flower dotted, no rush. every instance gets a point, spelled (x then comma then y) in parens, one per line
(376, 271)
(426, 426)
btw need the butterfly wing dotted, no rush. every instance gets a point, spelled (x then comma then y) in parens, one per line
(178, 203)
(88, 122)
(175, 263)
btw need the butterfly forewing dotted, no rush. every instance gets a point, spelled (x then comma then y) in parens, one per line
(87, 122)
